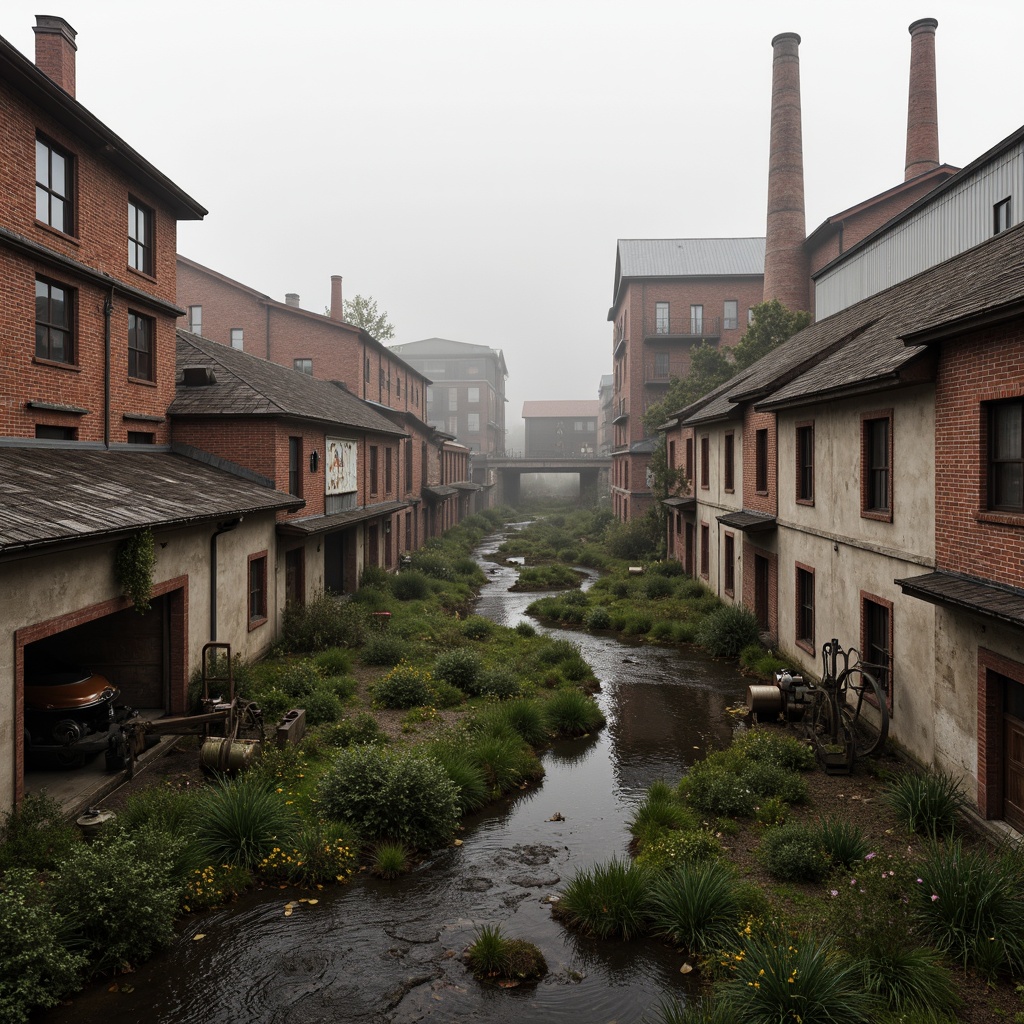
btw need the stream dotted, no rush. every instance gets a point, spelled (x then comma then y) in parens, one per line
(379, 952)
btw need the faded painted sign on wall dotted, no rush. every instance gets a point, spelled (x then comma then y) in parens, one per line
(341, 476)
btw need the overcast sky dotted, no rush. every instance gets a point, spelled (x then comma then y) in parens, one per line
(471, 164)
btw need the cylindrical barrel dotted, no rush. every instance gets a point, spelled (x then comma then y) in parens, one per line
(763, 699)
(228, 756)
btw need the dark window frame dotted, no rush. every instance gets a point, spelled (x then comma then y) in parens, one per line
(388, 469)
(804, 623)
(876, 617)
(729, 568)
(52, 327)
(805, 462)
(1009, 467)
(876, 477)
(729, 462)
(705, 550)
(1001, 216)
(689, 462)
(48, 189)
(141, 255)
(705, 462)
(761, 461)
(141, 347)
(295, 466)
(373, 469)
(257, 589)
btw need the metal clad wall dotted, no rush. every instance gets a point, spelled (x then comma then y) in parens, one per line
(960, 218)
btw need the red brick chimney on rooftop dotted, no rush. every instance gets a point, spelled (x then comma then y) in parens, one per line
(786, 273)
(55, 50)
(337, 306)
(922, 109)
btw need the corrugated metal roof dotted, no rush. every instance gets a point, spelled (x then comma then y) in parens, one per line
(691, 257)
(64, 495)
(568, 409)
(249, 386)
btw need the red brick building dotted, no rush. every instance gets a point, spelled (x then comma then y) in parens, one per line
(565, 429)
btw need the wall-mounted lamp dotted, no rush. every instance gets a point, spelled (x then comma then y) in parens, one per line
(387, 527)
(314, 460)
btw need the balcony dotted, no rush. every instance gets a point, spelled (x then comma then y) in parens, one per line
(621, 411)
(686, 327)
(660, 371)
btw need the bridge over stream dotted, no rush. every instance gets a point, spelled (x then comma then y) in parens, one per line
(506, 468)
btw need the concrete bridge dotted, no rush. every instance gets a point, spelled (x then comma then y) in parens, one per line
(504, 469)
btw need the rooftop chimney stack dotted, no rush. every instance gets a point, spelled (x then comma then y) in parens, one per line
(922, 109)
(337, 306)
(55, 50)
(786, 272)
(291, 299)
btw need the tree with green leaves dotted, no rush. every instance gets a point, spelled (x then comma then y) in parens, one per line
(771, 325)
(362, 311)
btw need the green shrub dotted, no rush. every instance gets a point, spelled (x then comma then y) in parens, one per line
(273, 702)
(160, 808)
(373, 599)
(444, 695)
(35, 835)
(432, 565)
(384, 648)
(389, 859)
(322, 622)
(410, 585)
(476, 627)
(696, 905)
(500, 683)
(690, 846)
(636, 540)
(659, 812)
(388, 793)
(342, 687)
(575, 669)
(459, 765)
(663, 631)
(525, 629)
(608, 901)
(118, 896)
(769, 780)
(405, 686)
(619, 589)
(335, 661)
(926, 803)
(637, 624)
(506, 762)
(459, 667)
(911, 979)
(576, 598)
(670, 567)
(357, 729)
(572, 713)
(685, 632)
(598, 618)
(38, 970)
(769, 746)
(323, 706)
(492, 956)
(842, 841)
(657, 587)
(711, 786)
(551, 652)
(319, 853)
(374, 576)
(524, 718)
(239, 822)
(792, 853)
(295, 678)
(725, 632)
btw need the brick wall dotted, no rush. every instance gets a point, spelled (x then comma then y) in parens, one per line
(766, 501)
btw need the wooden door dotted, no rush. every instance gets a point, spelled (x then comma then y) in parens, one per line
(1013, 754)
(295, 576)
(761, 590)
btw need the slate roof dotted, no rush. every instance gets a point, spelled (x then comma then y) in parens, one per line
(690, 257)
(747, 521)
(309, 526)
(981, 596)
(60, 495)
(249, 386)
(568, 409)
(862, 348)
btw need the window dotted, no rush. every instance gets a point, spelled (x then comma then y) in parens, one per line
(366, 369)
(1001, 216)
(876, 462)
(591, 425)
(731, 315)
(398, 387)
(257, 589)
(373, 469)
(195, 319)
(141, 437)
(705, 461)
(49, 433)
(876, 640)
(689, 461)
(671, 455)
(805, 463)
(705, 550)
(750, 316)
(54, 186)
(1006, 456)
(730, 564)
(660, 365)
(303, 366)
(387, 470)
(696, 319)
(472, 395)
(55, 310)
(729, 460)
(661, 320)
(236, 338)
(761, 462)
(408, 466)
(578, 426)
(141, 330)
(453, 400)
(295, 466)
(140, 236)
(805, 607)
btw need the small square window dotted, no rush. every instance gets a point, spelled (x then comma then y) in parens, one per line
(141, 437)
(55, 319)
(140, 237)
(473, 423)
(237, 338)
(54, 186)
(303, 366)
(472, 395)
(141, 330)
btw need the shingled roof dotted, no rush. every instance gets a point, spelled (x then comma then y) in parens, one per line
(55, 496)
(249, 386)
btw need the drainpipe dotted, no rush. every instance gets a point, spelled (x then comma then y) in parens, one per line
(108, 310)
(225, 527)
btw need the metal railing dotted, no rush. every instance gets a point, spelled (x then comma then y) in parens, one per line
(683, 326)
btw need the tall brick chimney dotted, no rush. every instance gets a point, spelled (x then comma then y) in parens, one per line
(291, 299)
(922, 109)
(337, 306)
(786, 272)
(55, 50)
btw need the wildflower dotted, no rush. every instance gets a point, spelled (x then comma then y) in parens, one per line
(934, 897)
(920, 880)
(835, 892)
(869, 856)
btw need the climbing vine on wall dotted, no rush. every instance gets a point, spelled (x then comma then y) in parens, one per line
(133, 569)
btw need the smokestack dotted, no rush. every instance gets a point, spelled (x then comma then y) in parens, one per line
(55, 50)
(337, 306)
(786, 271)
(922, 109)
(291, 299)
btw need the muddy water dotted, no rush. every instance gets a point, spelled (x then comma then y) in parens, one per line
(389, 952)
